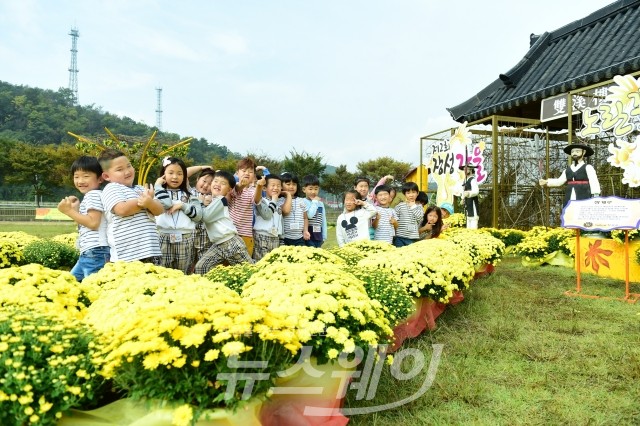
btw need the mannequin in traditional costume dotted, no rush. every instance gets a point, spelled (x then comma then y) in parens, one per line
(470, 196)
(580, 177)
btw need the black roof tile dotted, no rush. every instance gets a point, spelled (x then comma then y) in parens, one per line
(584, 52)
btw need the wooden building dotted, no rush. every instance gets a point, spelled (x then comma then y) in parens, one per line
(522, 119)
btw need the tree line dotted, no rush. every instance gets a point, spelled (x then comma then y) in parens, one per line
(38, 149)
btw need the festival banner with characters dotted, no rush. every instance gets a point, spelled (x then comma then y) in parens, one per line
(619, 113)
(446, 159)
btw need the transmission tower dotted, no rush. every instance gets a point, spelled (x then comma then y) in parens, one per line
(73, 69)
(159, 109)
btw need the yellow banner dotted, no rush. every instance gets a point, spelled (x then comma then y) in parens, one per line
(606, 258)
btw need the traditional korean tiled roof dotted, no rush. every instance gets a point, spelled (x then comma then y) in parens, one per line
(582, 53)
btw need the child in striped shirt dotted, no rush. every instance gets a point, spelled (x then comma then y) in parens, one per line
(386, 222)
(202, 191)
(410, 215)
(130, 210)
(317, 219)
(241, 200)
(88, 214)
(267, 228)
(295, 221)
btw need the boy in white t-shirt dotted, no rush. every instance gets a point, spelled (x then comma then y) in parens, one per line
(88, 214)
(353, 223)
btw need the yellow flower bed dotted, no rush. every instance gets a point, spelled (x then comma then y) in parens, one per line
(22, 239)
(479, 244)
(68, 239)
(456, 220)
(233, 277)
(127, 277)
(10, 254)
(180, 338)
(541, 241)
(161, 335)
(12, 246)
(618, 235)
(299, 254)
(46, 366)
(432, 268)
(328, 306)
(46, 290)
(355, 251)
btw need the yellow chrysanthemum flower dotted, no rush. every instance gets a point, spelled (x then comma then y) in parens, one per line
(234, 348)
(182, 415)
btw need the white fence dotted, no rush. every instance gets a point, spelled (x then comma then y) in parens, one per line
(20, 211)
(27, 204)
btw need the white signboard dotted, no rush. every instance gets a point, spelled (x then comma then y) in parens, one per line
(602, 214)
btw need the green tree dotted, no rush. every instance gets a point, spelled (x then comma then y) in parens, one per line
(382, 166)
(302, 163)
(227, 164)
(339, 182)
(6, 145)
(63, 157)
(31, 166)
(274, 166)
(230, 163)
(202, 152)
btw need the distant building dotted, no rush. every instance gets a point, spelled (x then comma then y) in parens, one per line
(422, 181)
(528, 114)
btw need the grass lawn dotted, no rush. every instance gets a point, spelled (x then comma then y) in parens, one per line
(40, 229)
(518, 351)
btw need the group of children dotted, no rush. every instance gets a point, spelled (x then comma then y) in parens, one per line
(369, 215)
(224, 218)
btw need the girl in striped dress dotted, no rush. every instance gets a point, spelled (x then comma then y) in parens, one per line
(177, 224)
(294, 219)
(202, 191)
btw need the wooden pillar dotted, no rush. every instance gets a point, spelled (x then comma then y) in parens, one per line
(496, 198)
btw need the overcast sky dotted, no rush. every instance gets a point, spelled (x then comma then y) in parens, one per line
(352, 80)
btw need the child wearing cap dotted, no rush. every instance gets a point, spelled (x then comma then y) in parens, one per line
(447, 209)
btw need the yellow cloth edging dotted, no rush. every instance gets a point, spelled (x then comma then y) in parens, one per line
(554, 258)
(127, 412)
